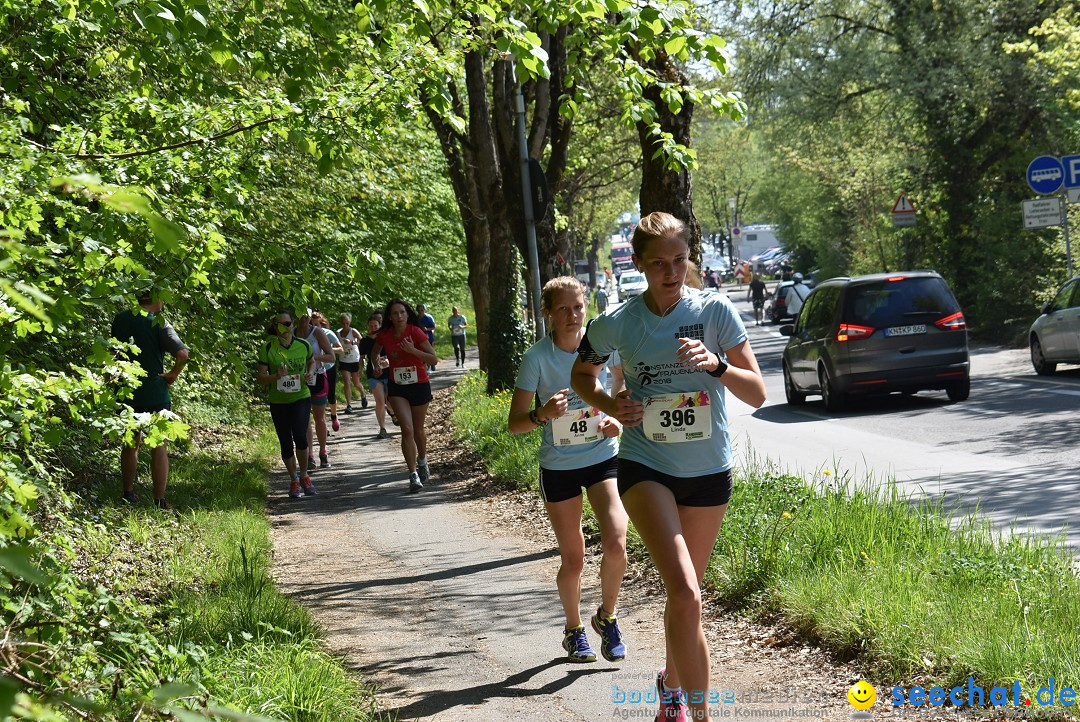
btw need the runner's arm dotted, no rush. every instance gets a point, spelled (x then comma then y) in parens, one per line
(373, 359)
(265, 377)
(743, 377)
(518, 421)
(182, 357)
(424, 351)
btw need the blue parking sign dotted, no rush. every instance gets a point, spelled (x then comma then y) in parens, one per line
(1045, 175)
(1071, 165)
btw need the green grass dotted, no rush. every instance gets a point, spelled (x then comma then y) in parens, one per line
(917, 596)
(202, 613)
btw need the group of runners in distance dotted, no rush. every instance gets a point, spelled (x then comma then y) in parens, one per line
(299, 364)
(632, 411)
(648, 455)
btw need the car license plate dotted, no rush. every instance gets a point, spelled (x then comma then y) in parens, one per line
(906, 330)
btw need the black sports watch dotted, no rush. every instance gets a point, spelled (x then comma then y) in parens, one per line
(721, 367)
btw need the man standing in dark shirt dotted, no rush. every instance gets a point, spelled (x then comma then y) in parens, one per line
(154, 337)
(757, 292)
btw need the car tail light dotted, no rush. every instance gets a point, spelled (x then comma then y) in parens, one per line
(896, 278)
(955, 322)
(853, 332)
(781, 301)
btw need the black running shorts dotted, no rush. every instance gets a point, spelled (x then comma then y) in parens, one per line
(706, 490)
(561, 484)
(415, 394)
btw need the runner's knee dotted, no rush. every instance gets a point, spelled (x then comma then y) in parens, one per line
(684, 600)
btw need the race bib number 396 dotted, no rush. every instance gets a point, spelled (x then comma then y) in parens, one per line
(579, 426)
(674, 418)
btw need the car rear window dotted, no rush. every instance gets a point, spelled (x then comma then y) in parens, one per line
(896, 303)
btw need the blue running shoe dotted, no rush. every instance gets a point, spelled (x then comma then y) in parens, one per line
(577, 645)
(611, 644)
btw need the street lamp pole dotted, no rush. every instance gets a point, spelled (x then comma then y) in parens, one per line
(731, 239)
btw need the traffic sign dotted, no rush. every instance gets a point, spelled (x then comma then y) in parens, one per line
(735, 230)
(1042, 213)
(1071, 165)
(903, 212)
(903, 205)
(1045, 174)
(1073, 194)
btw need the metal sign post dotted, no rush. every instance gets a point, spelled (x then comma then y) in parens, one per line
(530, 219)
(1046, 175)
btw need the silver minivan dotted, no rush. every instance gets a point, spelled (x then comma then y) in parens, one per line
(877, 334)
(1055, 336)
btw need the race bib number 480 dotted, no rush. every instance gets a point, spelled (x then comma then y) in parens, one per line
(674, 418)
(405, 375)
(579, 426)
(289, 384)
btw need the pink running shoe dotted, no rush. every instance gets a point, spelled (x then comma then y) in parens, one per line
(335, 423)
(671, 709)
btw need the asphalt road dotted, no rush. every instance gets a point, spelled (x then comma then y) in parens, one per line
(1013, 447)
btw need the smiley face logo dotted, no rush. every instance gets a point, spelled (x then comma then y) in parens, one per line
(862, 695)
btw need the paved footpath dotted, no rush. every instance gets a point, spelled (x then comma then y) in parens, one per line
(454, 617)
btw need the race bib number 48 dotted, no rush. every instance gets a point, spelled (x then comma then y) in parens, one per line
(579, 426)
(405, 375)
(289, 384)
(674, 418)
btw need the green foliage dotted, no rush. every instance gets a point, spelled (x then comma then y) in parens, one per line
(480, 422)
(230, 158)
(915, 98)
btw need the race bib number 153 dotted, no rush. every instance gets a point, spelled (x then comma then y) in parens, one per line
(405, 375)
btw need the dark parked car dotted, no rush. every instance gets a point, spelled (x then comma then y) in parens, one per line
(1055, 336)
(777, 307)
(877, 334)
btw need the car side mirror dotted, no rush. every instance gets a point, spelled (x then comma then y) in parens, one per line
(1047, 307)
(787, 330)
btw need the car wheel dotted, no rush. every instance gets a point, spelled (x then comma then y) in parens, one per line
(959, 390)
(794, 396)
(1038, 360)
(834, 400)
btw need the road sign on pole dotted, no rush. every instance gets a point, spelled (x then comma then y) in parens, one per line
(1070, 164)
(903, 212)
(1045, 175)
(1042, 213)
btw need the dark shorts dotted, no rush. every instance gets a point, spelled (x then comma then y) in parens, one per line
(415, 394)
(706, 490)
(319, 390)
(151, 408)
(350, 367)
(562, 484)
(759, 303)
(331, 384)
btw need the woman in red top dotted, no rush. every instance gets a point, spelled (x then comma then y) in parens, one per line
(408, 354)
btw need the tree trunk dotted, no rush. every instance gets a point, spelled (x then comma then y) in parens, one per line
(662, 189)
(485, 172)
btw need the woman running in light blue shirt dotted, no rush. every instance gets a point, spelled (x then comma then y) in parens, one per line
(578, 451)
(675, 453)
